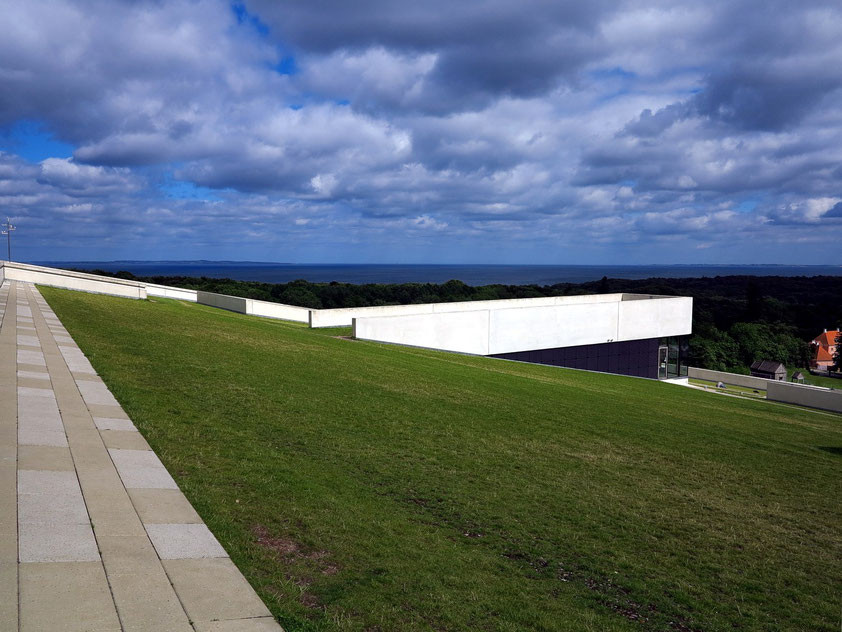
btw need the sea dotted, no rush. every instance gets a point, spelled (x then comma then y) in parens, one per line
(436, 273)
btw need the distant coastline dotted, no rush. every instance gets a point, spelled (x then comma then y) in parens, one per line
(472, 274)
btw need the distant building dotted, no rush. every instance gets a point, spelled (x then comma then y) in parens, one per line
(798, 376)
(824, 347)
(769, 370)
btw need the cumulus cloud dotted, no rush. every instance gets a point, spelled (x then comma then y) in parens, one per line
(561, 129)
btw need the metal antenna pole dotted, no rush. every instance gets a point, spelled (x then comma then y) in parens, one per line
(8, 228)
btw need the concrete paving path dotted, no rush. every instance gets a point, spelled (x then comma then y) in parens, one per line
(95, 535)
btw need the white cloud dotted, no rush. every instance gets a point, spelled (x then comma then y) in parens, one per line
(614, 122)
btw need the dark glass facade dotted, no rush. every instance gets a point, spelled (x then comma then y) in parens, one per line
(653, 358)
(633, 357)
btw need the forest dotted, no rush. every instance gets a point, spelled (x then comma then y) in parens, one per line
(736, 319)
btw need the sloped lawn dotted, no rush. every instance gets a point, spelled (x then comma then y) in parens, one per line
(370, 487)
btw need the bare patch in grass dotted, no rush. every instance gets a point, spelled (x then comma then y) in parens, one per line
(293, 552)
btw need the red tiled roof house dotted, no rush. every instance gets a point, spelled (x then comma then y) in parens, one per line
(824, 346)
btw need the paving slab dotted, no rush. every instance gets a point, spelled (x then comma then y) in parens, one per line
(111, 423)
(34, 368)
(184, 541)
(78, 363)
(57, 543)
(42, 457)
(163, 506)
(111, 510)
(96, 392)
(146, 602)
(214, 589)
(71, 597)
(8, 596)
(28, 356)
(142, 469)
(124, 440)
(34, 375)
(31, 341)
(54, 509)
(47, 482)
(34, 382)
(262, 624)
(8, 502)
(102, 411)
(30, 391)
(142, 591)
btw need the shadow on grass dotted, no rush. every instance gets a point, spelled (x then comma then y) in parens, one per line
(832, 449)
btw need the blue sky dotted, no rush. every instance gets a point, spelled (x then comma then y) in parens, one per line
(488, 132)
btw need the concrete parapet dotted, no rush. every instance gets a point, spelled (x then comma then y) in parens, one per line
(342, 317)
(805, 395)
(266, 309)
(252, 307)
(223, 301)
(166, 291)
(70, 280)
(734, 379)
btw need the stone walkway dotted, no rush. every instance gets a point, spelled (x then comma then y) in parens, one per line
(95, 535)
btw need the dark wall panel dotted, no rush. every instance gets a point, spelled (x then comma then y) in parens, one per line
(634, 357)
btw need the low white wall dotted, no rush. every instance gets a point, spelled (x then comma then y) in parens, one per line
(279, 311)
(73, 280)
(222, 301)
(508, 329)
(342, 317)
(252, 307)
(166, 291)
(734, 379)
(804, 395)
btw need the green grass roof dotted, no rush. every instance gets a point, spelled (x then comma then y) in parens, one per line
(371, 487)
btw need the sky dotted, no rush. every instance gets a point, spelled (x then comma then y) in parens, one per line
(375, 131)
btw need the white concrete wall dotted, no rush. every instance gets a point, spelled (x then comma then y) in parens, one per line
(464, 332)
(522, 328)
(734, 379)
(649, 318)
(342, 317)
(2, 272)
(252, 307)
(279, 311)
(74, 280)
(804, 395)
(166, 291)
(223, 301)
